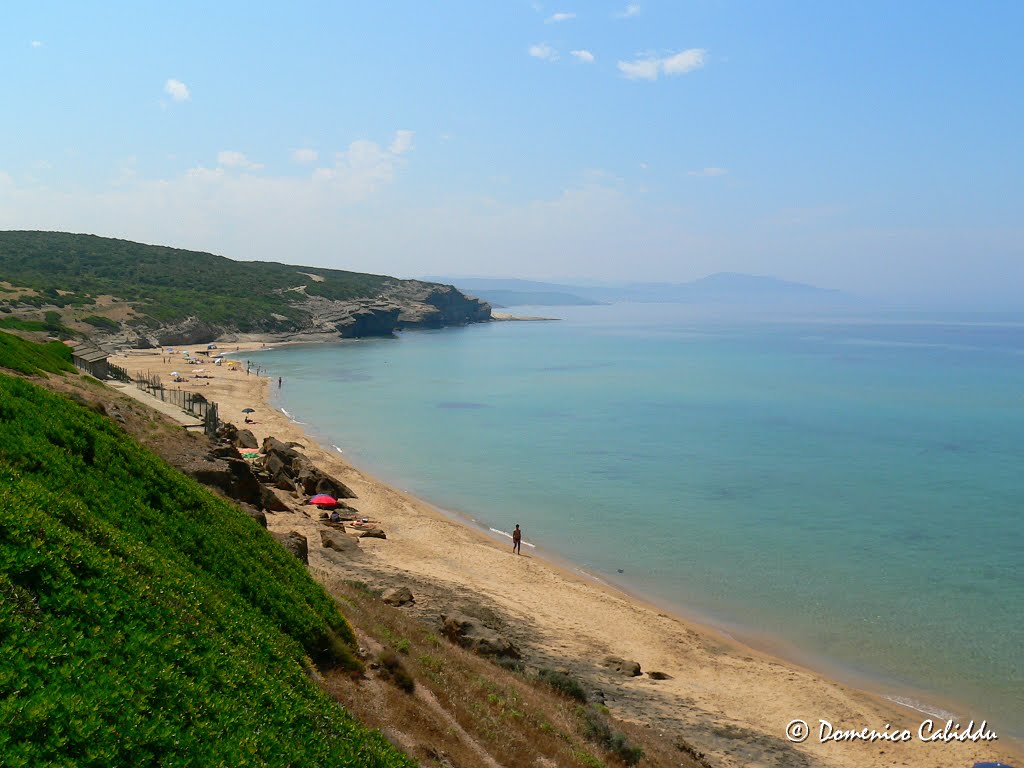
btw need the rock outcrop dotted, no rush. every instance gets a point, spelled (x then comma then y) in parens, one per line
(376, 319)
(443, 305)
(295, 543)
(288, 468)
(337, 540)
(471, 634)
(624, 667)
(398, 596)
(231, 476)
(189, 331)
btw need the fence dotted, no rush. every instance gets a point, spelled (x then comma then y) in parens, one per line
(117, 372)
(190, 402)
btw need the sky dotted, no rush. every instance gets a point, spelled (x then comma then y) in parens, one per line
(875, 147)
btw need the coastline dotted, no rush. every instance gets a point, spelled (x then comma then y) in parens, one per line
(731, 700)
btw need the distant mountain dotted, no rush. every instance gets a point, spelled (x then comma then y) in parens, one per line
(725, 288)
(502, 292)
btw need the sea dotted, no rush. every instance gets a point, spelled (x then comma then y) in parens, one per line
(846, 489)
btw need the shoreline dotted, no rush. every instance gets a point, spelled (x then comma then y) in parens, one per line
(729, 696)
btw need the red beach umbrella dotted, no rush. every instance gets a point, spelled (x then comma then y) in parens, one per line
(323, 500)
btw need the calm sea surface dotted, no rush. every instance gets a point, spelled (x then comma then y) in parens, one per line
(851, 488)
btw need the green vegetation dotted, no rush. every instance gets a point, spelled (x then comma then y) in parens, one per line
(103, 323)
(392, 668)
(598, 729)
(170, 284)
(17, 324)
(143, 620)
(29, 358)
(564, 684)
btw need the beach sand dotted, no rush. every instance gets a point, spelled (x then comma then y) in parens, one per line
(730, 701)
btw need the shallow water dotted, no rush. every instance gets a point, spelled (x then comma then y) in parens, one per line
(851, 486)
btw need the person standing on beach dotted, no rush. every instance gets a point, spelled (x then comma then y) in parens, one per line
(278, 382)
(517, 540)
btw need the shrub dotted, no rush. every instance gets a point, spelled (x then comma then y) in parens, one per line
(564, 684)
(391, 667)
(103, 323)
(597, 728)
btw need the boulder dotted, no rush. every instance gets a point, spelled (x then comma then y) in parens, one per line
(256, 514)
(284, 484)
(225, 452)
(372, 533)
(398, 596)
(246, 439)
(659, 675)
(271, 501)
(332, 538)
(471, 634)
(295, 543)
(283, 451)
(233, 477)
(624, 667)
(274, 466)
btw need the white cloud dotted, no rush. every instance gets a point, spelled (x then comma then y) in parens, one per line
(177, 90)
(365, 165)
(402, 142)
(709, 172)
(684, 61)
(641, 69)
(650, 67)
(583, 55)
(304, 156)
(37, 43)
(560, 16)
(543, 51)
(633, 9)
(229, 158)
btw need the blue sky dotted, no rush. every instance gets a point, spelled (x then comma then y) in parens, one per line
(874, 147)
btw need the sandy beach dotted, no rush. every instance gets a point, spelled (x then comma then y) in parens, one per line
(732, 702)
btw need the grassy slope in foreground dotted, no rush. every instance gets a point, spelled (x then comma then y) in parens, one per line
(144, 620)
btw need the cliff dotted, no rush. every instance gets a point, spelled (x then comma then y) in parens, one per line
(141, 295)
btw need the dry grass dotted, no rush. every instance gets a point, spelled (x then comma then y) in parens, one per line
(469, 711)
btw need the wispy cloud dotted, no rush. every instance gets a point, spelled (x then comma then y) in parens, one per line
(177, 90)
(36, 43)
(560, 16)
(651, 67)
(229, 158)
(365, 164)
(641, 69)
(709, 172)
(633, 9)
(583, 55)
(543, 51)
(684, 61)
(402, 142)
(304, 156)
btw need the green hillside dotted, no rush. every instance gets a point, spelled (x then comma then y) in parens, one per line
(170, 284)
(144, 620)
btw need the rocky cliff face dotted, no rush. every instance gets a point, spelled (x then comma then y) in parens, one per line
(406, 304)
(444, 305)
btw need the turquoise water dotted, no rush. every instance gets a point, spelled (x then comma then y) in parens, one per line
(850, 487)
